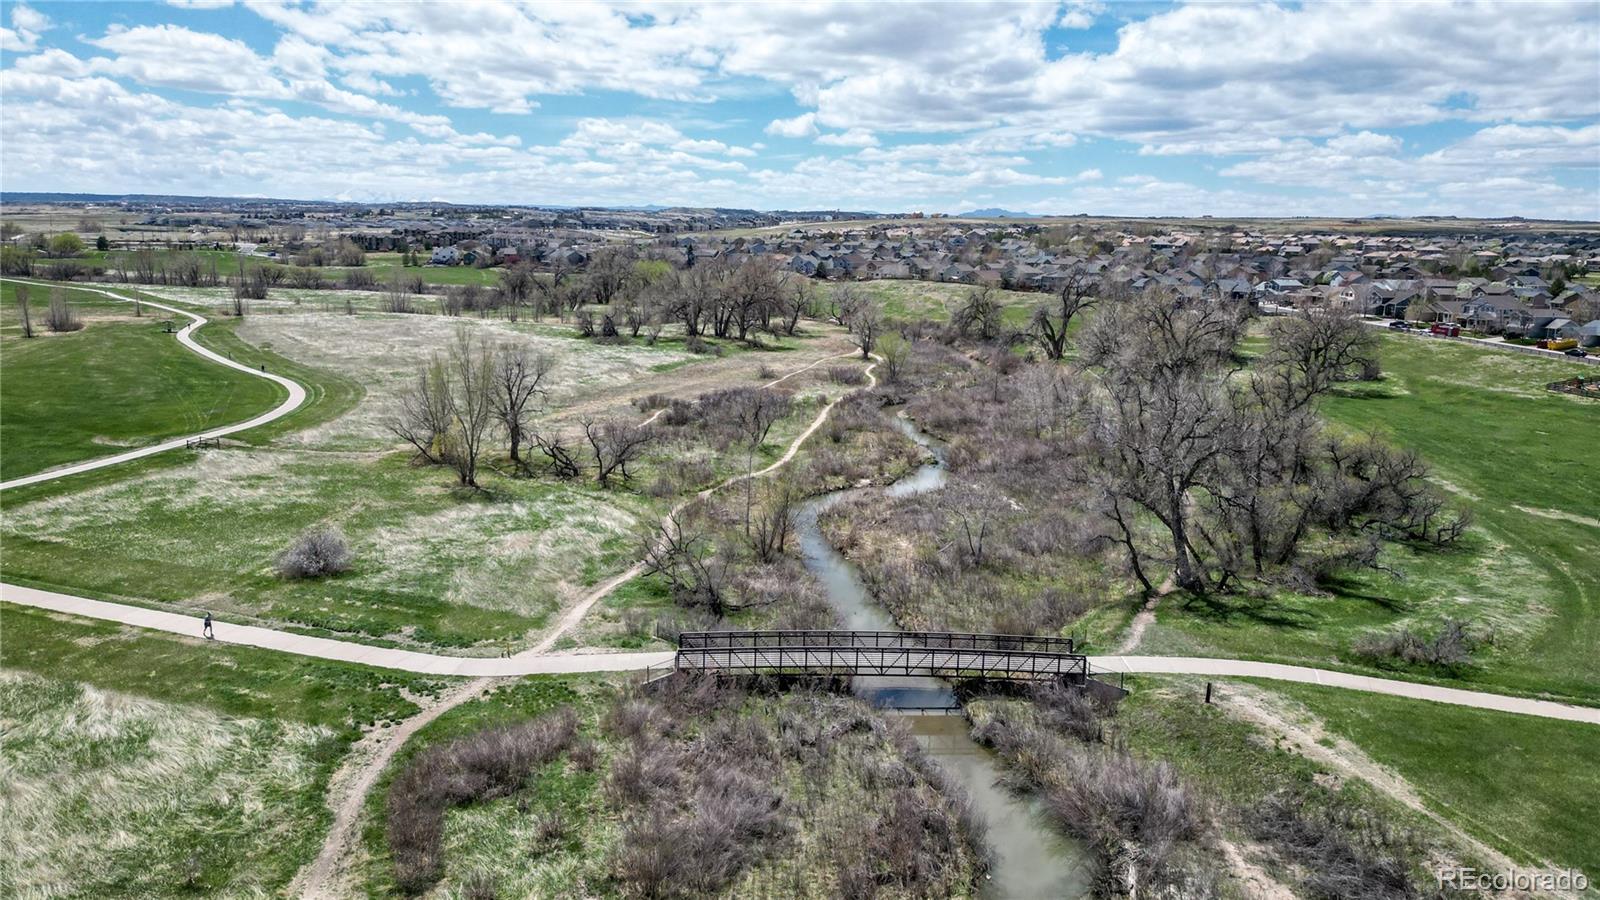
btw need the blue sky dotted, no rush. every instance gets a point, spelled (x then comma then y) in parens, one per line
(1083, 106)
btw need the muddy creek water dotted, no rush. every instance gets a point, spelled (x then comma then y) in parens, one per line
(1031, 860)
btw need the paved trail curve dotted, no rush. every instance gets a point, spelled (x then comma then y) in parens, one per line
(297, 396)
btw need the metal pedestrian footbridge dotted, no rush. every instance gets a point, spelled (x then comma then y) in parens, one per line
(939, 654)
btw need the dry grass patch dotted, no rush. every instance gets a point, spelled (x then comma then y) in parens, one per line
(384, 351)
(107, 794)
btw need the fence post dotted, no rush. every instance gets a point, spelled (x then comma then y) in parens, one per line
(1208, 692)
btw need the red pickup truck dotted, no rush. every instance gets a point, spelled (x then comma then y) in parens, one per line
(1446, 330)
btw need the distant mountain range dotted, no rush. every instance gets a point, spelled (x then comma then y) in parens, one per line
(994, 212)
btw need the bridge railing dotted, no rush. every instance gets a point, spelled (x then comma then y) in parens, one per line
(945, 662)
(697, 640)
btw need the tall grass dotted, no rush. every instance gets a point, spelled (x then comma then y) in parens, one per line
(105, 794)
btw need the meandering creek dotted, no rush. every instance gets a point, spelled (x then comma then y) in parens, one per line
(1031, 860)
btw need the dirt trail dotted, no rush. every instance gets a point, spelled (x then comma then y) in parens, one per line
(328, 876)
(1306, 736)
(1144, 619)
(1257, 882)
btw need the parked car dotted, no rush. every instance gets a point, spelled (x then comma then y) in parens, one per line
(1445, 329)
(1579, 352)
(1398, 325)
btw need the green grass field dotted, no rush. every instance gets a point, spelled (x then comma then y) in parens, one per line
(119, 383)
(140, 764)
(1522, 459)
(938, 301)
(1520, 784)
(432, 566)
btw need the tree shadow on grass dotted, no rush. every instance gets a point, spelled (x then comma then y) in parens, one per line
(1245, 609)
(1344, 587)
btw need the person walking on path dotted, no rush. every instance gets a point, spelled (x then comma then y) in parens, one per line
(205, 628)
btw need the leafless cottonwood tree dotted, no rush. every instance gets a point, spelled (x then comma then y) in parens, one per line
(1308, 353)
(22, 311)
(609, 273)
(395, 297)
(844, 301)
(687, 559)
(472, 366)
(424, 418)
(562, 458)
(866, 326)
(754, 293)
(447, 412)
(795, 299)
(519, 377)
(768, 531)
(979, 315)
(518, 286)
(1234, 465)
(895, 351)
(614, 444)
(753, 412)
(1164, 414)
(1050, 322)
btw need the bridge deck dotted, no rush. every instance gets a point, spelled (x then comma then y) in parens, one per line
(875, 640)
(878, 653)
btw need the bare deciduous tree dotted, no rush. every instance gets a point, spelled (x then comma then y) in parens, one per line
(687, 559)
(424, 417)
(979, 315)
(1050, 322)
(615, 444)
(447, 411)
(866, 324)
(768, 531)
(395, 297)
(609, 273)
(1308, 353)
(471, 364)
(563, 461)
(518, 285)
(22, 311)
(895, 351)
(844, 301)
(519, 376)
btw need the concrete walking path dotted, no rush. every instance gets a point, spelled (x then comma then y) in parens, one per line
(530, 663)
(328, 648)
(1242, 668)
(297, 396)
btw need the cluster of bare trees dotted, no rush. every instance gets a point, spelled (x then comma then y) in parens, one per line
(1233, 463)
(332, 252)
(146, 266)
(622, 294)
(715, 300)
(460, 396)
